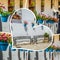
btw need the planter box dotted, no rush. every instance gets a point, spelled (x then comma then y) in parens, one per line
(3, 46)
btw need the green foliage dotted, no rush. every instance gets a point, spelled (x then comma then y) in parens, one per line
(35, 12)
(5, 13)
(46, 35)
(1, 10)
(38, 17)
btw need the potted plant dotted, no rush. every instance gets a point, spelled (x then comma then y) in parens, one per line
(39, 19)
(49, 49)
(55, 19)
(25, 23)
(50, 20)
(32, 24)
(46, 37)
(5, 39)
(5, 15)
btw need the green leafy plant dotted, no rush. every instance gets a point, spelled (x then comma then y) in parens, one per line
(46, 35)
(5, 13)
(1, 10)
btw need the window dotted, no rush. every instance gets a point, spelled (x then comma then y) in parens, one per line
(52, 4)
(58, 2)
(21, 3)
(59, 9)
(59, 5)
(42, 5)
(32, 5)
(11, 5)
(59, 37)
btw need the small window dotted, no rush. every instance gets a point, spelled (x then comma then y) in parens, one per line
(59, 37)
(51, 4)
(32, 4)
(59, 3)
(11, 4)
(21, 3)
(42, 5)
(59, 9)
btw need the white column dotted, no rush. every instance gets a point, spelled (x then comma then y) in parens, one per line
(6, 54)
(25, 3)
(47, 55)
(41, 55)
(15, 55)
(17, 4)
(38, 6)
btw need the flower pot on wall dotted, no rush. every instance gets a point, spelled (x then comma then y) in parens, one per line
(25, 25)
(4, 18)
(32, 24)
(50, 21)
(3, 46)
(57, 50)
(39, 21)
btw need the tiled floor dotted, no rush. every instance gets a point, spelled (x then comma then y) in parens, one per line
(34, 46)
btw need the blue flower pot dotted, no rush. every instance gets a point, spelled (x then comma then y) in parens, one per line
(3, 46)
(58, 50)
(51, 50)
(32, 24)
(50, 21)
(25, 25)
(21, 49)
(47, 50)
(39, 21)
(4, 18)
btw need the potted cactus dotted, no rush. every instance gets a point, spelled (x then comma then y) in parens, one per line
(5, 39)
